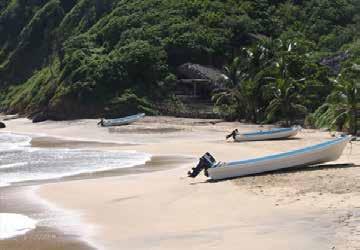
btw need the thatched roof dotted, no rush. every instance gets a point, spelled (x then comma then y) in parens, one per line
(197, 71)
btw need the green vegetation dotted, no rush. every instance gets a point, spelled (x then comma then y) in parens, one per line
(341, 107)
(85, 58)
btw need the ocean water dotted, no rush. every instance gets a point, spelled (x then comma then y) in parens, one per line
(20, 162)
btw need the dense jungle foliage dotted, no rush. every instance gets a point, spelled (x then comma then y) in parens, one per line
(85, 58)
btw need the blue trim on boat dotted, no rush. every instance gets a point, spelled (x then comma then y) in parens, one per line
(271, 131)
(127, 118)
(290, 153)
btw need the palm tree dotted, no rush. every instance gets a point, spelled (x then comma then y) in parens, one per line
(239, 101)
(230, 99)
(286, 102)
(284, 92)
(233, 73)
(244, 79)
(342, 106)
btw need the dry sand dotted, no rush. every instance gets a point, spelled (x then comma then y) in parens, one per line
(308, 208)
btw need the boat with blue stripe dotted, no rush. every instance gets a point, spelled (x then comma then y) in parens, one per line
(315, 154)
(272, 134)
(121, 121)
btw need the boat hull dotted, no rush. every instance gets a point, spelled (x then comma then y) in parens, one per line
(122, 121)
(324, 152)
(268, 135)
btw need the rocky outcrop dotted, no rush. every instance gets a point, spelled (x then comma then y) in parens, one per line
(40, 117)
(2, 125)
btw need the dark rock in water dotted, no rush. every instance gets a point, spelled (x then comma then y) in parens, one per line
(2, 125)
(40, 117)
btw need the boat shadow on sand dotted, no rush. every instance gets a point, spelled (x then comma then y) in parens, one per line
(283, 171)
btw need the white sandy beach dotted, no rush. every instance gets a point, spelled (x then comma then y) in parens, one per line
(315, 208)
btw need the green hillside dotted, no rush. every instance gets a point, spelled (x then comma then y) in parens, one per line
(72, 59)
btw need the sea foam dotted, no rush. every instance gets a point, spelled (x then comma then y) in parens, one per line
(19, 162)
(12, 225)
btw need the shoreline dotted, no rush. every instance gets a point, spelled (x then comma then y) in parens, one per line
(162, 210)
(42, 236)
(51, 219)
(74, 236)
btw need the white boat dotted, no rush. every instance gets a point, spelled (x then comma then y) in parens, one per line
(275, 133)
(121, 121)
(315, 154)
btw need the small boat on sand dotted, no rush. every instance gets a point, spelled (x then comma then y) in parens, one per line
(315, 154)
(121, 121)
(275, 133)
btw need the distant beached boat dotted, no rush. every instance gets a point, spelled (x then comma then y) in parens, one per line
(275, 133)
(316, 154)
(121, 121)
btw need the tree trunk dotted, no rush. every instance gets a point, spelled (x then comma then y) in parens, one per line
(353, 122)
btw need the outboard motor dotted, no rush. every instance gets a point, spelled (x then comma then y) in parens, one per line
(101, 122)
(206, 162)
(233, 134)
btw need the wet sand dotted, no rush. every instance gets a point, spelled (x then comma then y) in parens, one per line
(44, 238)
(307, 208)
(53, 142)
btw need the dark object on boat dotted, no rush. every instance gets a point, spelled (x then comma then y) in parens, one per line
(2, 125)
(101, 122)
(40, 117)
(233, 134)
(206, 161)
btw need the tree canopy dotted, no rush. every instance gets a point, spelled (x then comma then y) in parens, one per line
(75, 57)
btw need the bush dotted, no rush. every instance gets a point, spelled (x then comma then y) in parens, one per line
(128, 104)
